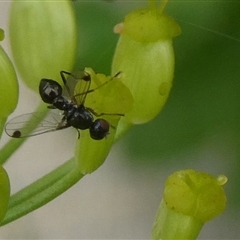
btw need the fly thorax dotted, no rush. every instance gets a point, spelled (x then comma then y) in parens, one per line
(61, 103)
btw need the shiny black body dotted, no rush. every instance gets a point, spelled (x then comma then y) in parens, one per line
(74, 114)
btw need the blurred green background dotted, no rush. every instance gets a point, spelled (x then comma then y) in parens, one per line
(198, 128)
(203, 108)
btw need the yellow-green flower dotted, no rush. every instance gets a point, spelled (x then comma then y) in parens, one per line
(190, 199)
(8, 88)
(43, 39)
(145, 56)
(113, 98)
(202, 192)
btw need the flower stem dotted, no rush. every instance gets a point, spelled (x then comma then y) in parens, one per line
(12, 145)
(173, 225)
(42, 191)
(2, 123)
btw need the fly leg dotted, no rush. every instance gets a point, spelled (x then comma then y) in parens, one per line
(103, 114)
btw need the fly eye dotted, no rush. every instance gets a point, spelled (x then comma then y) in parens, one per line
(99, 129)
(49, 90)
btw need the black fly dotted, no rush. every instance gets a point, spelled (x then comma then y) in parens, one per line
(74, 114)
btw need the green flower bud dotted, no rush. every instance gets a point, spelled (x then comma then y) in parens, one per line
(8, 88)
(4, 192)
(195, 194)
(113, 98)
(145, 55)
(190, 199)
(43, 39)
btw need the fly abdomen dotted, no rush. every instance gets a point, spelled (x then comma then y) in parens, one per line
(80, 118)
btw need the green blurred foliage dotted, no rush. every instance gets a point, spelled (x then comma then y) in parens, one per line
(205, 98)
(96, 38)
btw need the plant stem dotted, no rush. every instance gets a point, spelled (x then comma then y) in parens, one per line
(2, 123)
(12, 145)
(172, 225)
(42, 191)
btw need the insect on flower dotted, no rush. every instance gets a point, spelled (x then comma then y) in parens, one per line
(74, 112)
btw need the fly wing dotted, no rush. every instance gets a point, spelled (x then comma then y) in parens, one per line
(81, 90)
(25, 125)
(77, 85)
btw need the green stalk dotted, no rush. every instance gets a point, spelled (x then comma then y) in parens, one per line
(173, 225)
(42, 191)
(2, 123)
